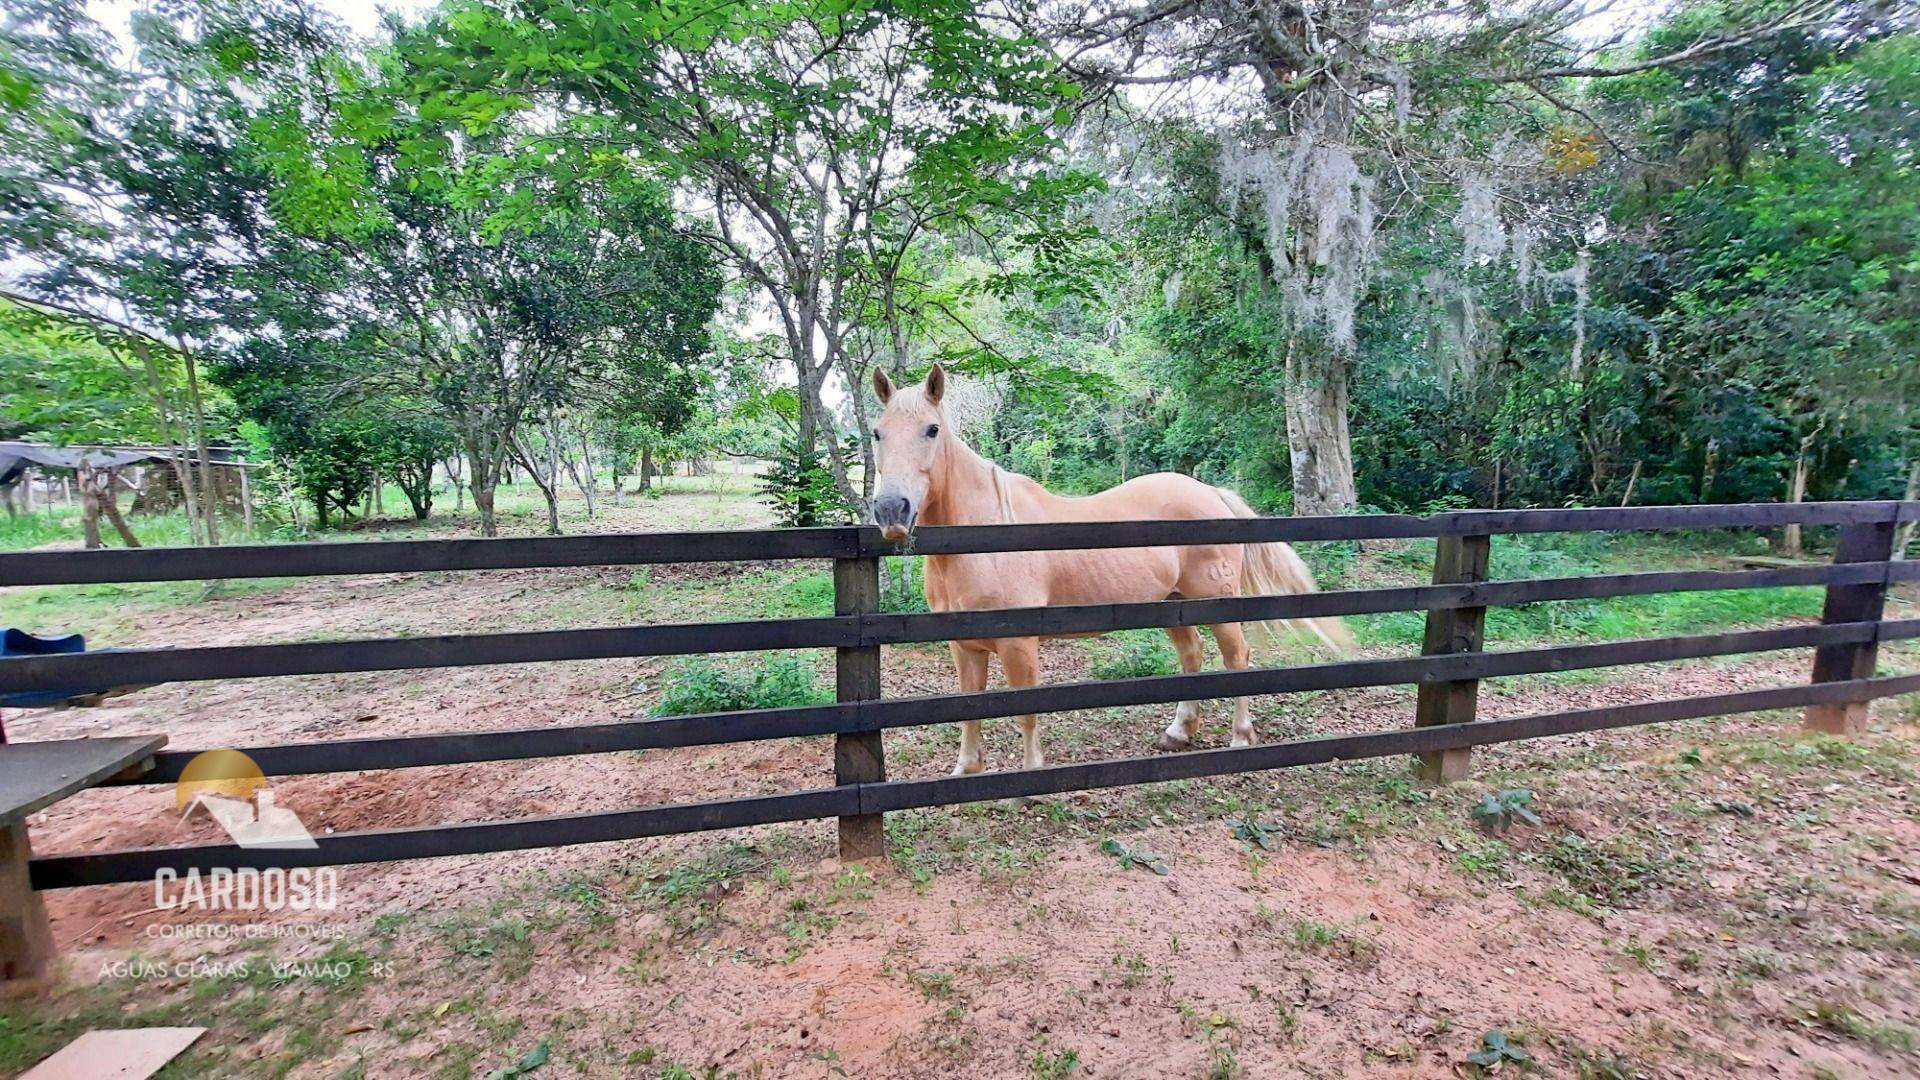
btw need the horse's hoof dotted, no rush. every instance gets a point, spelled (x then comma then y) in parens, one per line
(1171, 744)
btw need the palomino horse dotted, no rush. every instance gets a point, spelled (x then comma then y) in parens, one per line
(927, 475)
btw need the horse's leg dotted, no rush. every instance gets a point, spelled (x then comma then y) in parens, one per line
(971, 666)
(1233, 656)
(1186, 715)
(1020, 660)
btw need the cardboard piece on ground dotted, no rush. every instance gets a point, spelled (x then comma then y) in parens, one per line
(125, 1054)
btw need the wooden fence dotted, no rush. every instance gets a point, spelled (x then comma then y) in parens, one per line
(1447, 673)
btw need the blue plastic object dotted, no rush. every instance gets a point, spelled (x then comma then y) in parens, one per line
(21, 643)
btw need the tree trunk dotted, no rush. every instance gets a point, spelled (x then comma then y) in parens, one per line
(646, 468)
(1322, 451)
(209, 501)
(1797, 492)
(452, 465)
(483, 502)
(182, 463)
(1903, 536)
(544, 482)
(416, 483)
(483, 478)
(109, 498)
(89, 510)
(582, 474)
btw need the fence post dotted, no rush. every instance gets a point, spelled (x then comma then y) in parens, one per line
(26, 938)
(1867, 542)
(858, 756)
(1456, 559)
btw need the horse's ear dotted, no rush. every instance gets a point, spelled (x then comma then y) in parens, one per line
(882, 386)
(936, 384)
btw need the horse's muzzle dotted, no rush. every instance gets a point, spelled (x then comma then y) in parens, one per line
(894, 514)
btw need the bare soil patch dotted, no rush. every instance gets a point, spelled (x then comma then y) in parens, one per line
(1708, 899)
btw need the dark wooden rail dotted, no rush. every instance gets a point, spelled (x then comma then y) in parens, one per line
(1447, 673)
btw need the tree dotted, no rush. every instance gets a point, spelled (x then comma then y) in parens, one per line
(494, 287)
(126, 192)
(827, 139)
(1352, 115)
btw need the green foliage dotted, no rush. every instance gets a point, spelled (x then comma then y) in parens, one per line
(1253, 833)
(529, 1062)
(66, 386)
(1055, 1066)
(1133, 654)
(1498, 1048)
(1497, 812)
(382, 249)
(699, 685)
(902, 589)
(1130, 858)
(800, 487)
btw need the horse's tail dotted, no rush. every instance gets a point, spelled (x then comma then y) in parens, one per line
(1276, 568)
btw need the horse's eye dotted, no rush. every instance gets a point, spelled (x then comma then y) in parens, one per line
(876, 434)
(932, 430)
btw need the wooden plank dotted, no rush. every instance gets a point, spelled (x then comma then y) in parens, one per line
(419, 556)
(1354, 673)
(150, 666)
(948, 791)
(35, 775)
(1870, 542)
(1452, 630)
(704, 729)
(68, 871)
(142, 667)
(858, 756)
(468, 838)
(963, 539)
(422, 556)
(517, 744)
(117, 1054)
(1899, 629)
(1097, 618)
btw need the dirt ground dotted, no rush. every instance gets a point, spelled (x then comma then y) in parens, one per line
(1707, 899)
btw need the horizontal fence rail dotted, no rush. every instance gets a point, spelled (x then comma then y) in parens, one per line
(386, 845)
(1852, 627)
(413, 751)
(841, 542)
(147, 667)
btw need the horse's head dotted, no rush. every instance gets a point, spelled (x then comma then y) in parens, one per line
(908, 441)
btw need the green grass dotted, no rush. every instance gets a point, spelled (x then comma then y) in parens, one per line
(104, 611)
(700, 685)
(57, 524)
(812, 594)
(1587, 554)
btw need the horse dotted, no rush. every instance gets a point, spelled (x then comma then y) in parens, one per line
(926, 474)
